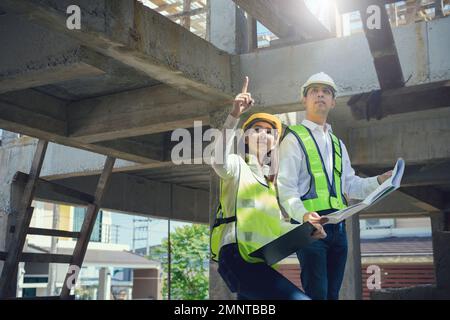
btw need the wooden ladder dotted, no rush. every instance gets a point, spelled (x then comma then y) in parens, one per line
(23, 212)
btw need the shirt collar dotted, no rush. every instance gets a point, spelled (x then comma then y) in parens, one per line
(259, 171)
(314, 126)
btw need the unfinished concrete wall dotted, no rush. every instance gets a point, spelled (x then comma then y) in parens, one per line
(277, 74)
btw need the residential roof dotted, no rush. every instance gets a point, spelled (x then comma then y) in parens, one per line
(109, 258)
(397, 246)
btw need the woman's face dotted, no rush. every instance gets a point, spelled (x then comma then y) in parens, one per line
(260, 138)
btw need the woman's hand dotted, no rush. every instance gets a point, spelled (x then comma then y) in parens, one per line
(243, 101)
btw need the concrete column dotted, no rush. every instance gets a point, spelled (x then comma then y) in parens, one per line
(104, 284)
(218, 290)
(352, 286)
(228, 27)
(12, 194)
(13, 158)
(440, 229)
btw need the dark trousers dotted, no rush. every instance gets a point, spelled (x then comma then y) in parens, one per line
(323, 263)
(254, 281)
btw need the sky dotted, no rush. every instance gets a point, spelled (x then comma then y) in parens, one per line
(157, 229)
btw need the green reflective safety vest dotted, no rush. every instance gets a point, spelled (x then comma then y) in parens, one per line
(323, 194)
(256, 220)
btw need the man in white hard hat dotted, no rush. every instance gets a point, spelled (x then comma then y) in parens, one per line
(314, 175)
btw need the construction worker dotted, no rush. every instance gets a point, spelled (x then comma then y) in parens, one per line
(248, 216)
(314, 174)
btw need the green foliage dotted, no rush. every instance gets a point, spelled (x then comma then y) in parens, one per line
(189, 263)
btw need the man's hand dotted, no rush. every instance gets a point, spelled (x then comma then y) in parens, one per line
(316, 221)
(243, 101)
(383, 177)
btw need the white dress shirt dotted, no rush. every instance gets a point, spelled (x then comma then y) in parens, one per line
(293, 177)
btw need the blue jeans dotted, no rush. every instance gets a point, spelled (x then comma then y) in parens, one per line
(323, 263)
(254, 281)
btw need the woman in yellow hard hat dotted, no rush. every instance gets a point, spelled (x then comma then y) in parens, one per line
(248, 215)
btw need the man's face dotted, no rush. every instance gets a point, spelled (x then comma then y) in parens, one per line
(319, 100)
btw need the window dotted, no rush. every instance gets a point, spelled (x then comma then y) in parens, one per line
(78, 218)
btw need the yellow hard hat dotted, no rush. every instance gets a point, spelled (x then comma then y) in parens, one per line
(264, 117)
(318, 78)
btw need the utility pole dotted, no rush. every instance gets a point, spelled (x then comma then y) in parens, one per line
(141, 229)
(52, 267)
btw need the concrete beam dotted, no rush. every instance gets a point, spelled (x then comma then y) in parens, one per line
(380, 104)
(429, 198)
(37, 115)
(134, 113)
(286, 19)
(39, 57)
(396, 204)
(419, 141)
(433, 174)
(49, 75)
(128, 31)
(136, 195)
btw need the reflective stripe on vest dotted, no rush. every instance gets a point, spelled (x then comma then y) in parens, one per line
(258, 220)
(322, 194)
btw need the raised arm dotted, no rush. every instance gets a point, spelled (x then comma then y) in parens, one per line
(222, 161)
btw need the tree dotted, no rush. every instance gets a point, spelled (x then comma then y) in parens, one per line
(189, 262)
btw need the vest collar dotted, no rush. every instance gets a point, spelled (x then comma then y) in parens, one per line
(258, 171)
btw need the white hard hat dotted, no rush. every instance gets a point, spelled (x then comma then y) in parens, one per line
(318, 78)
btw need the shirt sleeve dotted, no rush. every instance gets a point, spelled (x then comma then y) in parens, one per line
(222, 161)
(355, 187)
(291, 157)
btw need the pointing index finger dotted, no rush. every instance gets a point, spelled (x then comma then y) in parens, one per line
(245, 86)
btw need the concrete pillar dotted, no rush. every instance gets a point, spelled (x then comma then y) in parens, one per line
(218, 290)
(228, 27)
(104, 284)
(351, 286)
(10, 197)
(440, 229)
(14, 157)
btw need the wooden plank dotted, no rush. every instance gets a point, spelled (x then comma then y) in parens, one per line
(88, 225)
(188, 14)
(86, 198)
(53, 233)
(185, 18)
(23, 218)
